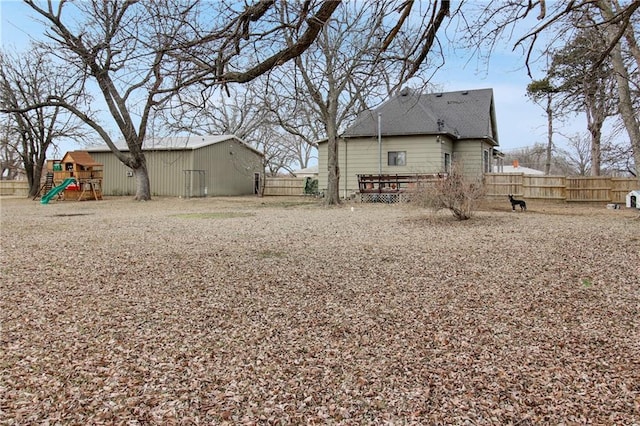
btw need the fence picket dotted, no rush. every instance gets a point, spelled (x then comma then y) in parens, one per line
(560, 188)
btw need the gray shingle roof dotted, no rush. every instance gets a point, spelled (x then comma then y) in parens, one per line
(464, 114)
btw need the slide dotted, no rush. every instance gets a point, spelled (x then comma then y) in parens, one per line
(58, 189)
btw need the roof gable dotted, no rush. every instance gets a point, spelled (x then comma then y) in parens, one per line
(465, 115)
(82, 158)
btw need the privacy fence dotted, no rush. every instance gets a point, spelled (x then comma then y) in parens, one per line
(554, 188)
(284, 186)
(14, 187)
(560, 188)
(272, 186)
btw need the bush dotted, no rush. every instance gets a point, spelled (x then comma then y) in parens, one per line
(454, 192)
(311, 186)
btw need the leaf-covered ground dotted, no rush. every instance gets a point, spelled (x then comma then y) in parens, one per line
(282, 311)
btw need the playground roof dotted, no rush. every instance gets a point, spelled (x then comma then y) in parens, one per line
(82, 158)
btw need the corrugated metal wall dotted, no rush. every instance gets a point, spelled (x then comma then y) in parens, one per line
(229, 169)
(166, 171)
(117, 178)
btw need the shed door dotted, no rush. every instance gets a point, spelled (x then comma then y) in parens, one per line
(256, 183)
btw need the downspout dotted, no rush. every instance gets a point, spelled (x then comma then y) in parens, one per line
(379, 144)
(346, 169)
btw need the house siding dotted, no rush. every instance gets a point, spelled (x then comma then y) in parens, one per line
(424, 154)
(469, 154)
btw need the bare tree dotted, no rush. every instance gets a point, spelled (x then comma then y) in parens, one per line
(349, 64)
(542, 92)
(239, 111)
(585, 86)
(28, 79)
(533, 156)
(236, 111)
(617, 26)
(140, 54)
(10, 162)
(578, 155)
(122, 49)
(294, 115)
(555, 25)
(617, 159)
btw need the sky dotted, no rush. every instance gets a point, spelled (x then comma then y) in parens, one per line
(521, 123)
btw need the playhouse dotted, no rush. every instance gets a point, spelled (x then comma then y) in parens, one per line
(76, 177)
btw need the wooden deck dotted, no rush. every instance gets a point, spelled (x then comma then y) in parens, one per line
(392, 188)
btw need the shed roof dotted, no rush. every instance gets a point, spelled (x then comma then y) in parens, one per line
(519, 169)
(467, 114)
(82, 158)
(311, 170)
(177, 143)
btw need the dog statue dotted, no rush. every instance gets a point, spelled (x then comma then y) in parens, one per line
(514, 203)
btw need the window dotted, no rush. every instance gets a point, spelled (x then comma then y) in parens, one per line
(486, 163)
(397, 158)
(447, 162)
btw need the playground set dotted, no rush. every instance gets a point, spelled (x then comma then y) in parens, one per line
(76, 177)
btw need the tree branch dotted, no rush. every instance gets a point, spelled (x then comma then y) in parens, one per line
(316, 23)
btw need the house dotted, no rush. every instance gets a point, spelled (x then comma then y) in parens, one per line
(188, 166)
(416, 133)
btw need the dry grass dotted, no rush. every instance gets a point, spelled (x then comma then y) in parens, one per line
(281, 311)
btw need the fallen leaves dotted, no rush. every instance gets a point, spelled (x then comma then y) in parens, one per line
(131, 314)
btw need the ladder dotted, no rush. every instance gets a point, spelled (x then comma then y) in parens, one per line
(46, 186)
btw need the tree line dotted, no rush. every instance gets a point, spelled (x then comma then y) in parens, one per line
(283, 75)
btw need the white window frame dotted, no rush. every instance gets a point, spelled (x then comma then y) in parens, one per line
(400, 158)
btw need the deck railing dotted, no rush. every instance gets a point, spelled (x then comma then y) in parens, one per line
(387, 183)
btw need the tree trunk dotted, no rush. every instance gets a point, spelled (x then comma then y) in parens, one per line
(332, 196)
(595, 131)
(34, 186)
(143, 186)
(33, 168)
(625, 103)
(547, 164)
(595, 120)
(29, 169)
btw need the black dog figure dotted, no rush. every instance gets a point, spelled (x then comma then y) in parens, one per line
(514, 203)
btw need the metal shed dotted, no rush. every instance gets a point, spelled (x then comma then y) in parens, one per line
(188, 166)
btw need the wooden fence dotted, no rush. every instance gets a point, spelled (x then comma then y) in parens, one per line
(14, 187)
(284, 186)
(589, 189)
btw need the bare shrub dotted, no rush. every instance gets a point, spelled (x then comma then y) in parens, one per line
(454, 192)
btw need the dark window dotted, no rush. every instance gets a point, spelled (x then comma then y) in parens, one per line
(486, 163)
(397, 158)
(447, 162)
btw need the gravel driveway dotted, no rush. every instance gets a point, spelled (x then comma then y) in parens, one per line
(283, 311)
